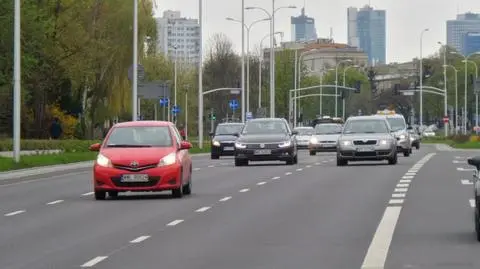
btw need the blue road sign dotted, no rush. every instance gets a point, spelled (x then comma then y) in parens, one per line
(163, 102)
(175, 110)
(233, 104)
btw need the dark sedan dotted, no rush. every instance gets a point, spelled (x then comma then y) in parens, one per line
(223, 140)
(266, 140)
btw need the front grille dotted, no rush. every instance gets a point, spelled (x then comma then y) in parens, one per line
(228, 144)
(135, 169)
(266, 146)
(152, 181)
(365, 142)
(366, 154)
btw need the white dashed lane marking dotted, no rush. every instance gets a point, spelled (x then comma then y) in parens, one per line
(87, 193)
(288, 173)
(405, 181)
(410, 174)
(403, 185)
(243, 190)
(140, 239)
(466, 182)
(14, 213)
(299, 169)
(398, 195)
(275, 178)
(308, 166)
(396, 201)
(400, 190)
(457, 162)
(408, 177)
(465, 169)
(196, 169)
(211, 166)
(55, 202)
(203, 209)
(261, 183)
(175, 222)
(472, 202)
(225, 199)
(94, 261)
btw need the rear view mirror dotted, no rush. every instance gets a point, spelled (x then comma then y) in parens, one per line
(95, 147)
(211, 133)
(409, 128)
(294, 132)
(185, 145)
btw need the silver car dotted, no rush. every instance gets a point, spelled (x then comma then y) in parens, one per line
(366, 138)
(303, 136)
(325, 138)
(399, 127)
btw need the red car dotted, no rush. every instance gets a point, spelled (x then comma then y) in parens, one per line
(142, 156)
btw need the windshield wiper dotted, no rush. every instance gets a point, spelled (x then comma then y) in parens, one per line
(128, 146)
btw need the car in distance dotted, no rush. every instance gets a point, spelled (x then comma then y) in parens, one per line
(266, 139)
(415, 137)
(475, 161)
(325, 138)
(399, 127)
(366, 138)
(303, 136)
(142, 156)
(223, 139)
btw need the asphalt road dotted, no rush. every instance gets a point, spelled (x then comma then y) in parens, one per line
(312, 215)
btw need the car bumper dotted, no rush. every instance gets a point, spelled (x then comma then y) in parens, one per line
(223, 150)
(322, 147)
(378, 153)
(159, 179)
(280, 154)
(403, 145)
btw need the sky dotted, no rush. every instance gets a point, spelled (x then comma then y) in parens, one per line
(405, 20)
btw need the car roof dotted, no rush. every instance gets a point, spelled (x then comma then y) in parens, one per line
(267, 119)
(304, 127)
(372, 117)
(230, 123)
(144, 123)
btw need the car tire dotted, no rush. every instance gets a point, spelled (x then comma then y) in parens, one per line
(187, 188)
(406, 153)
(313, 153)
(100, 195)
(295, 160)
(341, 162)
(178, 192)
(291, 161)
(417, 146)
(241, 162)
(393, 160)
(113, 194)
(214, 156)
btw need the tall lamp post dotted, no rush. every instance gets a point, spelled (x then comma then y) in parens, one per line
(271, 16)
(200, 76)
(456, 95)
(336, 83)
(17, 80)
(260, 69)
(421, 75)
(248, 27)
(445, 85)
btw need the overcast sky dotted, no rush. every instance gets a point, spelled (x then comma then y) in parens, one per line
(405, 20)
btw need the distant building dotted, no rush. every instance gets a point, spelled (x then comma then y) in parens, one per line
(303, 28)
(367, 31)
(457, 30)
(471, 43)
(178, 38)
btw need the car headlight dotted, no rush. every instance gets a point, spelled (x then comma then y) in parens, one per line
(168, 160)
(313, 140)
(103, 161)
(240, 145)
(345, 143)
(383, 142)
(216, 143)
(285, 144)
(402, 136)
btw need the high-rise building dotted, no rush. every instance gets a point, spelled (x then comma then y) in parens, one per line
(458, 29)
(471, 43)
(178, 38)
(367, 31)
(303, 28)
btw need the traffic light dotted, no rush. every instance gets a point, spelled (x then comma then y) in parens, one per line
(212, 116)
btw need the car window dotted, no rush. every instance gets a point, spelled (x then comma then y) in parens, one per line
(144, 136)
(177, 135)
(328, 129)
(228, 129)
(396, 123)
(265, 127)
(365, 126)
(304, 131)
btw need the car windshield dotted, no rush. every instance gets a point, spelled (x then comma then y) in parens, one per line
(145, 136)
(396, 123)
(265, 127)
(328, 129)
(365, 127)
(304, 131)
(228, 129)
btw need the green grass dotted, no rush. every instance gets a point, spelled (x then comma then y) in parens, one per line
(29, 161)
(452, 143)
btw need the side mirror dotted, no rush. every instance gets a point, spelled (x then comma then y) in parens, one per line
(236, 134)
(409, 128)
(211, 133)
(294, 132)
(185, 145)
(95, 147)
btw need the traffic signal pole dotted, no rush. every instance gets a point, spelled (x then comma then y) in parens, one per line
(212, 129)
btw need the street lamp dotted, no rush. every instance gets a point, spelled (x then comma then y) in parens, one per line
(456, 95)
(421, 75)
(476, 94)
(135, 62)
(297, 79)
(17, 82)
(336, 83)
(200, 76)
(248, 27)
(271, 16)
(260, 69)
(445, 84)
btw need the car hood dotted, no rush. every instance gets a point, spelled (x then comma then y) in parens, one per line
(222, 138)
(143, 156)
(270, 138)
(400, 132)
(327, 137)
(365, 136)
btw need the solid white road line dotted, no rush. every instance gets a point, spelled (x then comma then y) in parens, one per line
(288, 173)
(275, 178)
(466, 182)
(400, 190)
(14, 213)
(140, 239)
(87, 193)
(94, 261)
(261, 183)
(378, 249)
(175, 222)
(55, 202)
(403, 185)
(398, 195)
(243, 190)
(396, 201)
(405, 181)
(472, 202)
(203, 209)
(225, 199)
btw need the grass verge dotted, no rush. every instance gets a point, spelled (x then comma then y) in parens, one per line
(454, 143)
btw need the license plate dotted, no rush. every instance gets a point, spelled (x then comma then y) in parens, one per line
(134, 178)
(262, 152)
(228, 148)
(364, 149)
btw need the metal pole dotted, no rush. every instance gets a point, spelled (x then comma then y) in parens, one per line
(421, 82)
(212, 127)
(135, 61)
(465, 99)
(476, 97)
(175, 82)
(248, 69)
(200, 77)
(243, 60)
(321, 94)
(343, 108)
(445, 87)
(186, 115)
(272, 62)
(260, 81)
(295, 87)
(155, 115)
(456, 101)
(343, 99)
(336, 91)
(17, 86)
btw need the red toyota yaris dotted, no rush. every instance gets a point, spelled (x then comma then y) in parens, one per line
(142, 156)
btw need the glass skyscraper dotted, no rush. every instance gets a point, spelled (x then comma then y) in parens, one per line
(471, 43)
(367, 31)
(303, 28)
(457, 30)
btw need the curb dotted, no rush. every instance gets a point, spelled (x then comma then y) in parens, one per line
(43, 170)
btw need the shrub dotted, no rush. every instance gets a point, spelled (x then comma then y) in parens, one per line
(68, 122)
(70, 145)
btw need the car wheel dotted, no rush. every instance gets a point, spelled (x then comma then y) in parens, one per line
(477, 223)
(417, 146)
(241, 162)
(291, 161)
(406, 153)
(312, 153)
(113, 194)
(187, 189)
(295, 160)
(214, 157)
(100, 195)
(393, 160)
(341, 162)
(177, 193)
